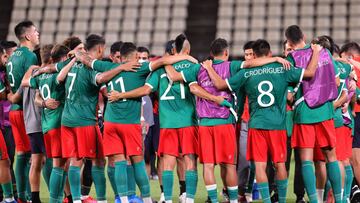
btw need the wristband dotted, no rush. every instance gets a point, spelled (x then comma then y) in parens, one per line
(226, 103)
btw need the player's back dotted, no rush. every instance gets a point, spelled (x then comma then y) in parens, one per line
(81, 96)
(126, 111)
(176, 102)
(266, 87)
(19, 62)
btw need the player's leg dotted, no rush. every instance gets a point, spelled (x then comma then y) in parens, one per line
(5, 175)
(86, 181)
(299, 188)
(10, 144)
(111, 174)
(180, 170)
(320, 173)
(37, 157)
(169, 162)
(304, 141)
(348, 179)
(191, 176)
(326, 138)
(98, 174)
(23, 153)
(75, 179)
(57, 179)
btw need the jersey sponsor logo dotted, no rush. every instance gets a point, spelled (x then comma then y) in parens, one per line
(17, 53)
(265, 70)
(182, 66)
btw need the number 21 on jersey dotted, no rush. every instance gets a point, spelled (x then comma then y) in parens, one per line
(165, 95)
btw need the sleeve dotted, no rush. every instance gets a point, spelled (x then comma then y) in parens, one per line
(102, 66)
(236, 66)
(290, 59)
(59, 66)
(336, 65)
(93, 74)
(33, 83)
(294, 75)
(2, 87)
(145, 69)
(32, 60)
(235, 82)
(190, 74)
(290, 89)
(153, 80)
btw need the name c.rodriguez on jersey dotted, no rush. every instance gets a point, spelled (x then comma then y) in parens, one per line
(266, 70)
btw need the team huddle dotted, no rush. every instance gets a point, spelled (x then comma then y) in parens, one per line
(72, 107)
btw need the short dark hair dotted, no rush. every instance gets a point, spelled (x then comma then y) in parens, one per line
(127, 48)
(218, 46)
(21, 27)
(261, 47)
(45, 53)
(93, 40)
(116, 47)
(179, 42)
(248, 45)
(325, 41)
(7, 44)
(2, 50)
(294, 34)
(143, 49)
(58, 52)
(351, 46)
(169, 46)
(72, 42)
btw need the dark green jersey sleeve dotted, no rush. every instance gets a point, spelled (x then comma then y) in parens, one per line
(2, 87)
(190, 74)
(294, 75)
(29, 61)
(59, 66)
(236, 66)
(34, 83)
(102, 66)
(235, 82)
(144, 69)
(153, 80)
(92, 77)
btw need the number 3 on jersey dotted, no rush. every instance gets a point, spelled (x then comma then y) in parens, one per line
(165, 95)
(12, 81)
(120, 80)
(266, 93)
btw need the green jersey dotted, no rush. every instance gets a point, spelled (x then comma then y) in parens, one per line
(2, 87)
(176, 103)
(190, 75)
(50, 88)
(344, 70)
(19, 63)
(303, 113)
(81, 97)
(266, 88)
(125, 111)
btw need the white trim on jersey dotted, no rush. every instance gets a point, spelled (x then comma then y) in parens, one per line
(183, 76)
(150, 67)
(194, 82)
(92, 63)
(227, 83)
(149, 85)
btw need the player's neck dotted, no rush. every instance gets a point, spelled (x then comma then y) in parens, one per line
(27, 44)
(222, 58)
(301, 45)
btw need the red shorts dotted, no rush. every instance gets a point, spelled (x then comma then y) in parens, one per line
(122, 139)
(22, 141)
(343, 143)
(317, 134)
(3, 149)
(52, 140)
(217, 144)
(176, 141)
(80, 142)
(262, 142)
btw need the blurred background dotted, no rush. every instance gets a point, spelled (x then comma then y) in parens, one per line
(151, 23)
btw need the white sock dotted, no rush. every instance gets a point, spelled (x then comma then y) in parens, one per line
(124, 199)
(102, 201)
(84, 197)
(189, 200)
(320, 194)
(168, 201)
(211, 187)
(234, 201)
(10, 199)
(77, 201)
(147, 200)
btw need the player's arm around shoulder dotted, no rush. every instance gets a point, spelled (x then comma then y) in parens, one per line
(108, 75)
(60, 78)
(219, 83)
(313, 65)
(25, 82)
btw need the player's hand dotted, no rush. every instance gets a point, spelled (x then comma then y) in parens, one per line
(352, 85)
(71, 54)
(286, 64)
(130, 66)
(114, 96)
(345, 107)
(207, 64)
(77, 53)
(344, 60)
(316, 48)
(192, 59)
(51, 103)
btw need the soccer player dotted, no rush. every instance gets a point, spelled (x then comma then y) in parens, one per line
(50, 96)
(266, 87)
(18, 64)
(245, 169)
(5, 175)
(178, 135)
(314, 126)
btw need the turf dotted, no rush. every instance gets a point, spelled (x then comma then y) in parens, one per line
(201, 193)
